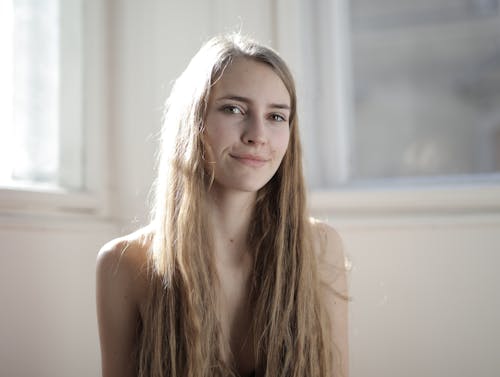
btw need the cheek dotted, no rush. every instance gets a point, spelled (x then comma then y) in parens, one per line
(212, 139)
(220, 132)
(282, 141)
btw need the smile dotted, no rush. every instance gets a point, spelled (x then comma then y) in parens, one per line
(250, 160)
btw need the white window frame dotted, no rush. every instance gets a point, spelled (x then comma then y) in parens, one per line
(470, 195)
(87, 103)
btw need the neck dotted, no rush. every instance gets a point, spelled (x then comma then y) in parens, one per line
(230, 215)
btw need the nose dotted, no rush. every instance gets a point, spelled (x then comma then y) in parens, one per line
(254, 131)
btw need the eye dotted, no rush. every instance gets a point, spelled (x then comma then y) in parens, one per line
(277, 117)
(231, 109)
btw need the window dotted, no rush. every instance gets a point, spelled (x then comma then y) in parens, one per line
(41, 138)
(426, 88)
(396, 89)
(53, 113)
(398, 102)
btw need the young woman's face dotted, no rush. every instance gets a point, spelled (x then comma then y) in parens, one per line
(247, 125)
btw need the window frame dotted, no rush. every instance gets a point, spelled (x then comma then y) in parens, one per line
(469, 194)
(84, 111)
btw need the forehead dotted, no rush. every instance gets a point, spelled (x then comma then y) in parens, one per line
(249, 78)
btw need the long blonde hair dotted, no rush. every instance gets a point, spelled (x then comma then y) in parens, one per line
(181, 333)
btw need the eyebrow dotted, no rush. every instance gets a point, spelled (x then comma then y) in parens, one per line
(248, 100)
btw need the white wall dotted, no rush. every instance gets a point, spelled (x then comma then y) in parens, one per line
(47, 315)
(423, 287)
(425, 298)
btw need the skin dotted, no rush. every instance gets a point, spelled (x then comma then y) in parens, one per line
(247, 131)
(247, 128)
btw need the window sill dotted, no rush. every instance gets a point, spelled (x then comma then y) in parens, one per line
(28, 208)
(437, 200)
(48, 200)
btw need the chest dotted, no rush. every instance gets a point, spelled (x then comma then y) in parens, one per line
(236, 321)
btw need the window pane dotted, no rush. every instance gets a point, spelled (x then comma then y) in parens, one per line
(36, 66)
(426, 81)
(33, 139)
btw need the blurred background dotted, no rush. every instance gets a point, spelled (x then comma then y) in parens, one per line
(399, 105)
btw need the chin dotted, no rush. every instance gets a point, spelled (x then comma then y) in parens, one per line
(250, 186)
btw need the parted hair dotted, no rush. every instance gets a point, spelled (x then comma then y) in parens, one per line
(180, 335)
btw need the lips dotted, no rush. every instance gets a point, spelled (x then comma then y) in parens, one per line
(250, 159)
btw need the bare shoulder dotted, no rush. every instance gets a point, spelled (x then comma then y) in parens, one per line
(327, 244)
(123, 261)
(121, 289)
(332, 263)
(332, 274)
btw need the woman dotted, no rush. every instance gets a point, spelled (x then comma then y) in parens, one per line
(231, 278)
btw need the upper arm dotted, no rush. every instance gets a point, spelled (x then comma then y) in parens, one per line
(117, 312)
(333, 275)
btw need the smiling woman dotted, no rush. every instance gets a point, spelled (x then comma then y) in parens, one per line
(249, 129)
(232, 278)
